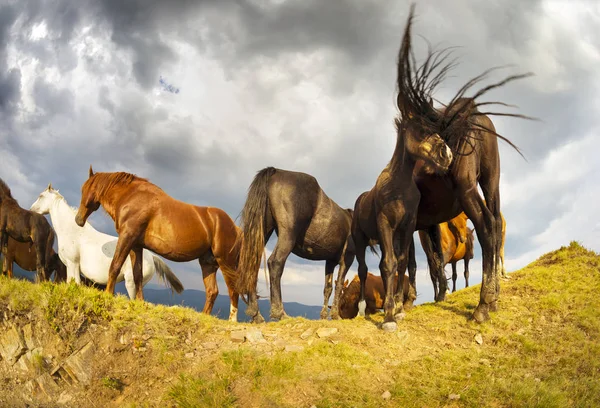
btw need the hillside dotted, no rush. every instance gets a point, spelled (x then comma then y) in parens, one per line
(65, 345)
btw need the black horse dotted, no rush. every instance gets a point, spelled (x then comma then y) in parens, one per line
(474, 142)
(307, 223)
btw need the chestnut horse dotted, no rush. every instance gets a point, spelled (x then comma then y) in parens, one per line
(457, 244)
(147, 217)
(24, 226)
(21, 253)
(308, 223)
(474, 142)
(374, 295)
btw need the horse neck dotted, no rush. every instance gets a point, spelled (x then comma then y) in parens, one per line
(402, 163)
(63, 217)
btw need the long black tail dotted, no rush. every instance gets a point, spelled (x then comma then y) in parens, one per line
(253, 225)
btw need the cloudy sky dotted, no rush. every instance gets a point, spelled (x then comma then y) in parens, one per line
(301, 85)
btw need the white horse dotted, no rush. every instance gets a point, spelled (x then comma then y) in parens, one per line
(88, 251)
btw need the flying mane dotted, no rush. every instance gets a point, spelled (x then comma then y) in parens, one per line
(103, 182)
(456, 123)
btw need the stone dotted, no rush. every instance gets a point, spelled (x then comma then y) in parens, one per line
(64, 398)
(326, 331)
(189, 355)
(454, 397)
(307, 333)
(478, 339)
(238, 336)
(78, 365)
(386, 395)
(12, 345)
(293, 348)
(209, 345)
(255, 336)
(30, 341)
(47, 385)
(389, 327)
(26, 362)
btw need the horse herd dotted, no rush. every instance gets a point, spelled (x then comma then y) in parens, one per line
(442, 156)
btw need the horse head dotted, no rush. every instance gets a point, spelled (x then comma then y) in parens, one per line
(45, 200)
(89, 199)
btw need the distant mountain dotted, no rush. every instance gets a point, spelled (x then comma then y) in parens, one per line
(195, 299)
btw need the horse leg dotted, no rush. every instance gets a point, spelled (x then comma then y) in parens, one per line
(40, 252)
(360, 242)
(122, 251)
(329, 268)
(9, 258)
(209, 275)
(466, 272)
(435, 257)
(276, 263)
(137, 268)
(346, 262)
(454, 276)
(234, 296)
(482, 219)
(412, 277)
(73, 272)
(387, 268)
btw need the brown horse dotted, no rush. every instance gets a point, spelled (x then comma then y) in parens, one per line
(457, 244)
(388, 212)
(473, 139)
(24, 226)
(374, 295)
(307, 222)
(21, 253)
(147, 217)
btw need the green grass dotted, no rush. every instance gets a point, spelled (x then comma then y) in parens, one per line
(541, 349)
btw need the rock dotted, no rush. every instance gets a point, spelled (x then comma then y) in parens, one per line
(386, 395)
(255, 336)
(485, 361)
(389, 327)
(209, 345)
(27, 364)
(307, 333)
(293, 348)
(30, 341)
(310, 341)
(453, 397)
(189, 355)
(326, 331)
(64, 398)
(78, 365)
(238, 336)
(478, 339)
(47, 385)
(12, 345)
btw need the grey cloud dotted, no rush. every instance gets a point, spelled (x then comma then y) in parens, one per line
(51, 99)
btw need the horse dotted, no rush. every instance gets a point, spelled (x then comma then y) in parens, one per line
(387, 214)
(308, 223)
(457, 244)
(88, 252)
(24, 226)
(147, 217)
(22, 255)
(374, 295)
(473, 139)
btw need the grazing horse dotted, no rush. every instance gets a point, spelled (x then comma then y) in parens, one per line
(24, 226)
(374, 295)
(457, 244)
(89, 252)
(147, 217)
(474, 142)
(307, 222)
(21, 253)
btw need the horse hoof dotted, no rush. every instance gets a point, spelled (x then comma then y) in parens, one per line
(324, 314)
(257, 319)
(399, 316)
(362, 306)
(481, 314)
(389, 327)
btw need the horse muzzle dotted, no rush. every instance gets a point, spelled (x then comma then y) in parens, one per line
(79, 220)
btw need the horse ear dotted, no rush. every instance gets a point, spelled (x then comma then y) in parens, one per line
(91, 173)
(49, 186)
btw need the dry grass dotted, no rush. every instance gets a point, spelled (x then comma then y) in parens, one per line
(541, 349)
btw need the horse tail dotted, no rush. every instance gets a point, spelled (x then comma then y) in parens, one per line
(166, 275)
(253, 225)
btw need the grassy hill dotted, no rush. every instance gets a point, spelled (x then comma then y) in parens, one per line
(541, 349)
